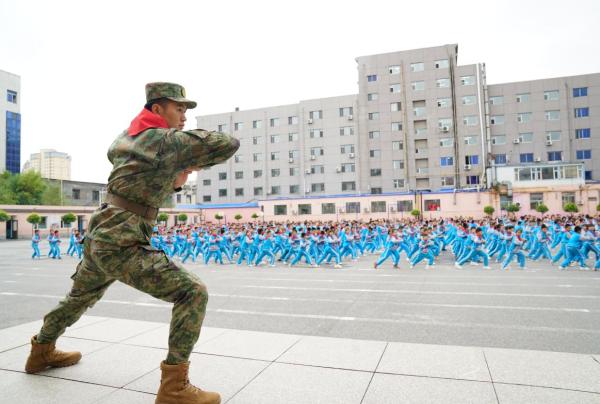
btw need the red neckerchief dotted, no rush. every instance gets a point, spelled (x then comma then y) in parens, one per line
(146, 120)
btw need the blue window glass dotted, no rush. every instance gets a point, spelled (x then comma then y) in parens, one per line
(526, 157)
(581, 112)
(13, 142)
(583, 154)
(11, 96)
(472, 180)
(372, 77)
(500, 159)
(474, 159)
(555, 156)
(580, 92)
(583, 133)
(446, 161)
(588, 175)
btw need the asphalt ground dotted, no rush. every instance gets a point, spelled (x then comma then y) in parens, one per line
(540, 308)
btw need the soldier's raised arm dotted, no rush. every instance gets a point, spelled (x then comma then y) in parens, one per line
(198, 149)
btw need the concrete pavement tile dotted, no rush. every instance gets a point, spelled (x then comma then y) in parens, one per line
(513, 394)
(159, 337)
(114, 366)
(248, 344)
(113, 330)
(454, 362)
(130, 397)
(290, 384)
(213, 373)
(411, 389)
(15, 358)
(335, 353)
(19, 387)
(544, 369)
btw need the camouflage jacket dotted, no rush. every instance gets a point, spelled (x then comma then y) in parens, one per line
(144, 171)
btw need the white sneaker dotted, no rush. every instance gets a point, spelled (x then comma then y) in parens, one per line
(457, 265)
(474, 263)
(337, 266)
(429, 266)
(586, 268)
(487, 267)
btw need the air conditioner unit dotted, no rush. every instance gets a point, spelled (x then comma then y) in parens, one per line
(308, 190)
(350, 117)
(517, 141)
(307, 171)
(537, 159)
(467, 167)
(338, 170)
(310, 120)
(579, 203)
(351, 155)
(445, 128)
(313, 157)
(548, 142)
(268, 192)
(291, 160)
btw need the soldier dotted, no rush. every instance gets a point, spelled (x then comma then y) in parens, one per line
(151, 160)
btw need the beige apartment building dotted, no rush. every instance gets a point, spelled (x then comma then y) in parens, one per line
(50, 164)
(419, 123)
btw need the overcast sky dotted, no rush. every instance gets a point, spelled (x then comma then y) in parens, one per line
(83, 64)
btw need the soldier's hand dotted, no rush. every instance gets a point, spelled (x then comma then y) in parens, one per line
(181, 179)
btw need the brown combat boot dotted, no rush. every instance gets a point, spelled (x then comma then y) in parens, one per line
(43, 356)
(175, 387)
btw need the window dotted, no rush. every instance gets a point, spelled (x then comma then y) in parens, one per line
(206, 198)
(275, 190)
(441, 64)
(372, 97)
(280, 210)
(555, 156)
(394, 88)
(222, 176)
(315, 114)
(346, 111)
(346, 131)
(292, 137)
(418, 85)
(395, 106)
(256, 124)
(442, 83)
(378, 206)
(222, 128)
(293, 154)
(258, 191)
(348, 168)
(294, 189)
(275, 138)
(470, 120)
(582, 112)
(552, 115)
(526, 137)
(371, 77)
(588, 175)
(398, 183)
(583, 133)
(568, 197)
(535, 199)
(472, 159)
(257, 157)
(292, 120)
(239, 175)
(327, 208)
(316, 133)
(375, 172)
(375, 153)
(316, 151)
(95, 196)
(398, 164)
(500, 159)
(432, 205)
(275, 172)
(205, 182)
(294, 171)
(524, 117)
(348, 186)
(222, 192)
(499, 140)
(497, 100)
(526, 157)
(446, 161)
(352, 207)
(470, 140)
(374, 134)
(274, 122)
(237, 158)
(521, 98)
(417, 67)
(396, 126)
(238, 126)
(472, 180)
(373, 116)
(580, 92)
(397, 145)
(75, 193)
(583, 154)
(318, 169)
(447, 181)
(256, 140)
(346, 148)
(257, 173)
(444, 124)
(239, 192)
(376, 190)
(468, 100)
(553, 136)
(497, 120)
(274, 156)
(11, 96)
(188, 199)
(444, 102)
(467, 80)
(551, 95)
(447, 142)
(320, 187)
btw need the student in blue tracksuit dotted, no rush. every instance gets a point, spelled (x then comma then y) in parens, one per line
(515, 250)
(71, 250)
(330, 250)
(476, 251)
(392, 249)
(300, 246)
(574, 250)
(79, 244)
(245, 247)
(214, 250)
(543, 241)
(563, 239)
(424, 251)
(266, 250)
(35, 244)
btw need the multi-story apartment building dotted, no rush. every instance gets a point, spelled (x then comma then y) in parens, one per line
(10, 122)
(419, 121)
(50, 164)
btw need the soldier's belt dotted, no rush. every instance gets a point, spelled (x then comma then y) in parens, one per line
(147, 212)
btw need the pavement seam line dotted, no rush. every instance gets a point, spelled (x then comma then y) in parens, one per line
(491, 377)
(374, 372)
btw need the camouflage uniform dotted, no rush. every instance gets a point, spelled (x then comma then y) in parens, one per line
(117, 244)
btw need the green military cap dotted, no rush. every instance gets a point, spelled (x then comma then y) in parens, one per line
(171, 91)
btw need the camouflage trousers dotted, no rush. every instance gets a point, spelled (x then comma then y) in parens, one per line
(145, 269)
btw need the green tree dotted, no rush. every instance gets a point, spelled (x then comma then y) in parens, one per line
(570, 207)
(415, 212)
(68, 218)
(254, 216)
(52, 195)
(597, 207)
(541, 208)
(7, 194)
(34, 219)
(238, 217)
(489, 210)
(513, 208)
(29, 188)
(4, 216)
(162, 217)
(182, 217)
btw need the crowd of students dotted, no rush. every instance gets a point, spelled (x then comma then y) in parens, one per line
(54, 242)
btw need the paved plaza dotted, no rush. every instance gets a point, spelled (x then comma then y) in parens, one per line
(307, 335)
